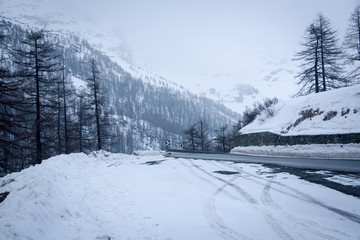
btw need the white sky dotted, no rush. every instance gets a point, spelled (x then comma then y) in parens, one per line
(217, 39)
(198, 32)
(203, 41)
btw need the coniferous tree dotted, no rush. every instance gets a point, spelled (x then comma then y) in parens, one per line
(221, 139)
(234, 132)
(37, 64)
(190, 136)
(13, 131)
(352, 44)
(320, 58)
(94, 86)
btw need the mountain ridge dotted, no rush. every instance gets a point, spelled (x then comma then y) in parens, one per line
(144, 109)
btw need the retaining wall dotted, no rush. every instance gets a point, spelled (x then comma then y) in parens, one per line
(268, 138)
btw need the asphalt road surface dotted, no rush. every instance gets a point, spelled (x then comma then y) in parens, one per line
(301, 167)
(345, 165)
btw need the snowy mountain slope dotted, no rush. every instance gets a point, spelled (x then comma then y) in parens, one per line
(331, 112)
(276, 73)
(276, 78)
(142, 104)
(148, 196)
(68, 18)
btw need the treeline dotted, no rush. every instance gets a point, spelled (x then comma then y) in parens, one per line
(199, 137)
(41, 113)
(50, 103)
(324, 64)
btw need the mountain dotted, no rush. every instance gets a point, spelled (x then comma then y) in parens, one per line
(245, 86)
(332, 112)
(144, 108)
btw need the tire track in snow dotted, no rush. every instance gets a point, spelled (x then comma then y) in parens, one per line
(303, 196)
(253, 202)
(215, 221)
(307, 225)
(267, 200)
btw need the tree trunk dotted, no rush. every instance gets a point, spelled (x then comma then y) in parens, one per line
(65, 113)
(38, 115)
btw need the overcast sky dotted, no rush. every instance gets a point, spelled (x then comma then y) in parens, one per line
(206, 40)
(189, 34)
(217, 37)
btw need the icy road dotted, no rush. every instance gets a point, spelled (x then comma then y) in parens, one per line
(149, 196)
(348, 165)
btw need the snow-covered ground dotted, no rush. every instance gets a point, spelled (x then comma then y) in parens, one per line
(148, 196)
(350, 151)
(332, 112)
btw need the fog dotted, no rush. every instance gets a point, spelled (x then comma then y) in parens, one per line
(202, 41)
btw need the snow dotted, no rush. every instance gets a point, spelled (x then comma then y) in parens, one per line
(78, 83)
(345, 180)
(148, 196)
(344, 101)
(349, 151)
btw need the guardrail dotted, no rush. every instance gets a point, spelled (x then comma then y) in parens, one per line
(194, 151)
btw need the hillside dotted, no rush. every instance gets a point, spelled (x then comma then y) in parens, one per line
(243, 86)
(143, 106)
(331, 112)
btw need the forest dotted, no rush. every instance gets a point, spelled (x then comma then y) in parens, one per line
(44, 111)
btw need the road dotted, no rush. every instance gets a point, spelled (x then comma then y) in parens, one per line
(300, 167)
(346, 165)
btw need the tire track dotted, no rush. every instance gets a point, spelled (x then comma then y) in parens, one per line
(216, 223)
(267, 200)
(307, 225)
(228, 194)
(303, 196)
(271, 221)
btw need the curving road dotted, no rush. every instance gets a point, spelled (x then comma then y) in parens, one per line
(346, 165)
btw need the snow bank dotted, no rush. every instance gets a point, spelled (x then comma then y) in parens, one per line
(331, 112)
(351, 151)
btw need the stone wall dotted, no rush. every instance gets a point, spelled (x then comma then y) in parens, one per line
(268, 138)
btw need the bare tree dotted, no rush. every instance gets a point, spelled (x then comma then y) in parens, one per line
(37, 61)
(190, 136)
(203, 140)
(320, 58)
(352, 44)
(222, 140)
(94, 86)
(12, 113)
